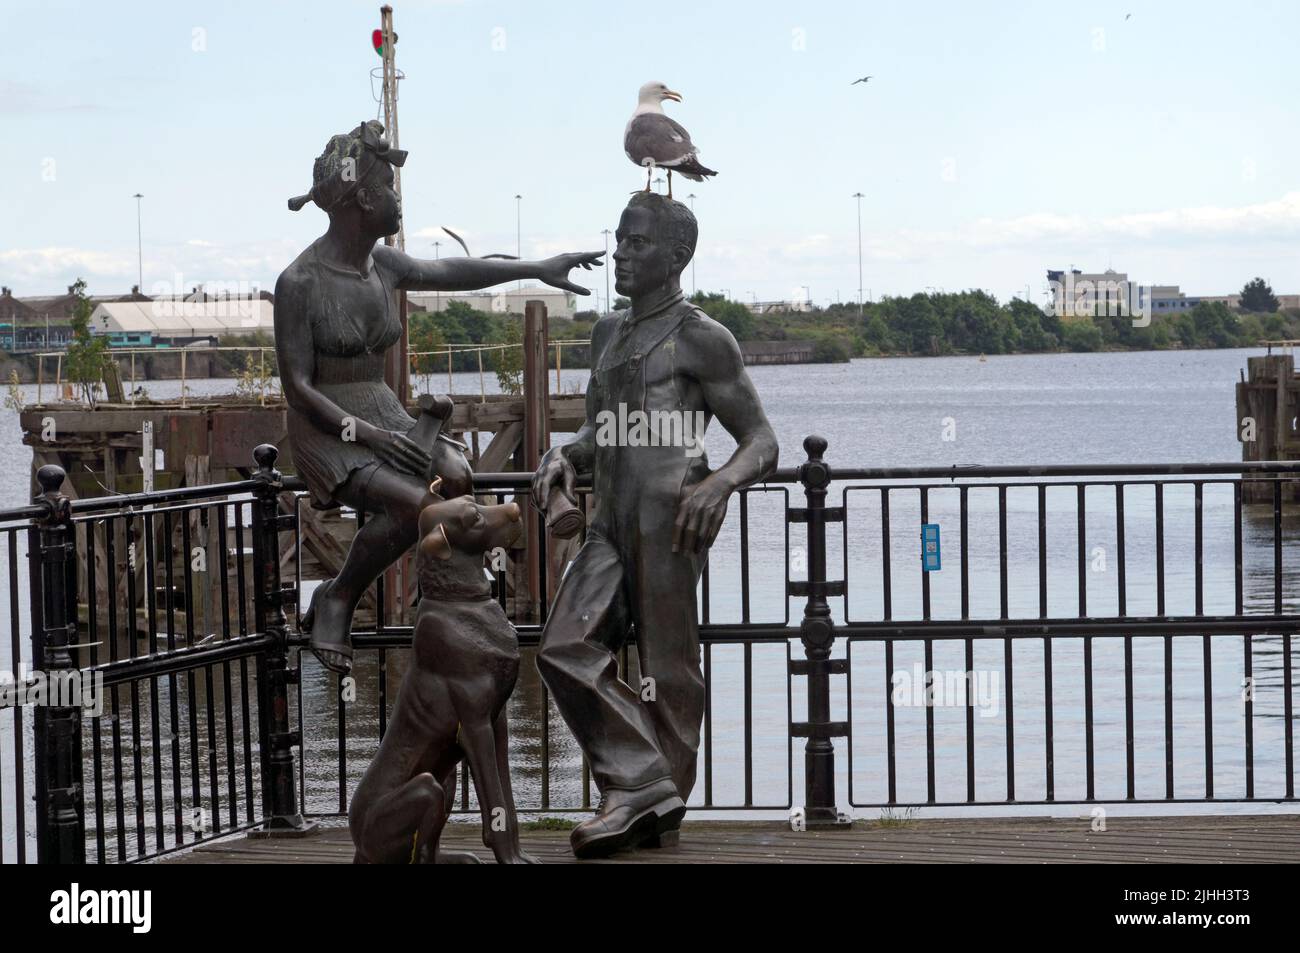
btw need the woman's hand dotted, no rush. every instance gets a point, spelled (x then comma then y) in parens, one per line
(395, 449)
(555, 271)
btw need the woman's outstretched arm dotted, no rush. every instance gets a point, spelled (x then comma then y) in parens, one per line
(471, 274)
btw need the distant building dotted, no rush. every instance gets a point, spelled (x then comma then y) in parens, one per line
(44, 322)
(559, 304)
(170, 323)
(767, 307)
(1078, 294)
(1091, 293)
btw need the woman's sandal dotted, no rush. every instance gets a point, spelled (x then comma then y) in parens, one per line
(335, 656)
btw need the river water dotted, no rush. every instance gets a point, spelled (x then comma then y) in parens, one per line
(1146, 407)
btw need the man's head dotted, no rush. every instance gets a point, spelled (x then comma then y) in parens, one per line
(656, 240)
(354, 177)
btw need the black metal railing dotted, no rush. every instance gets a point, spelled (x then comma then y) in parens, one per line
(1132, 626)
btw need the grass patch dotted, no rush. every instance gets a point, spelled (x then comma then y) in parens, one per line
(549, 824)
(891, 818)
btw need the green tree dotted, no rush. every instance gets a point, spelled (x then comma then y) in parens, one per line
(1214, 324)
(477, 324)
(509, 361)
(732, 315)
(87, 356)
(875, 332)
(1257, 296)
(1029, 322)
(1081, 335)
(917, 326)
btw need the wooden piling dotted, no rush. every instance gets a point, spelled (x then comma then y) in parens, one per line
(1268, 403)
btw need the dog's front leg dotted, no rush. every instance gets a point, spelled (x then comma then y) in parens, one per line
(501, 736)
(500, 828)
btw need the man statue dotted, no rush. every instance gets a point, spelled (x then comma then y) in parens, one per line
(658, 508)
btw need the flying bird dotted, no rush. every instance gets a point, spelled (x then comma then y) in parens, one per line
(461, 241)
(652, 139)
(862, 80)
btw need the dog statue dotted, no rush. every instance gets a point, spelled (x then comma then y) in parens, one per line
(452, 701)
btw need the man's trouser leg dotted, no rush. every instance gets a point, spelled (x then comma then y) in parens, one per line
(587, 624)
(664, 613)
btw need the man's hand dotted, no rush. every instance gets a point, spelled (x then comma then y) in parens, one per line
(700, 516)
(554, 469)
(555, 271)
(395, 449)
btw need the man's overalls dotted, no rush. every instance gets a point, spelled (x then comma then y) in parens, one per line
(626, 574)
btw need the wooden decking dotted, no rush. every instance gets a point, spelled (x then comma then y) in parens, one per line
(1206, 840)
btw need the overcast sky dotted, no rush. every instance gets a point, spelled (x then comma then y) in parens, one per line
(995, 140)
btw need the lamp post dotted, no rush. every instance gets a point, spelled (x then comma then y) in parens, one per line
(608, 269)
(139, 241)
(519, 242)
(858, 196)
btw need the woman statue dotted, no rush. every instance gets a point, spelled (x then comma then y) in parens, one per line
(336, 316)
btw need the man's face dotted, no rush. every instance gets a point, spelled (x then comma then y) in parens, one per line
(381, 209)
(642, 261)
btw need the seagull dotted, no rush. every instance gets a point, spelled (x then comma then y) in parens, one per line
(466, 247)
(652, 139)
(862, 80)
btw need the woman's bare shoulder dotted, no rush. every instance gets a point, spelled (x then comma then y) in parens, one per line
(298, 272)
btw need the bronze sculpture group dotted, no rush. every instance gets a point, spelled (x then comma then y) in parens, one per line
(657, 507)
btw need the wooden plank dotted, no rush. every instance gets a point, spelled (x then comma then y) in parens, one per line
(1206, 839)
(501, 449)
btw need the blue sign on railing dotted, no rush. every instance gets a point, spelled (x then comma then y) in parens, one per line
(930, 547)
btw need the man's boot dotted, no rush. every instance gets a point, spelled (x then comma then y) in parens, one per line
(628, 818)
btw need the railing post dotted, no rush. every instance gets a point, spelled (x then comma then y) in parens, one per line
(275, 740)
(817, 633)
(60, 807)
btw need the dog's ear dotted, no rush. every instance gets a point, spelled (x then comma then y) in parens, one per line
(436, 545)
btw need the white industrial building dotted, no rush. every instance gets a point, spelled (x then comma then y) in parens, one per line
(177, 323)
(559, 304)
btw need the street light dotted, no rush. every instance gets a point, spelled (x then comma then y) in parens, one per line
(858, 196)
(608, 269)
(139, 242)
(691, 199)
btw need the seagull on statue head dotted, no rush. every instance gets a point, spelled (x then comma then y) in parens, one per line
(652, 139)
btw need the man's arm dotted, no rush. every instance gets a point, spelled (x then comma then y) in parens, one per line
(578, 456)
(471, 274)
(716, 363)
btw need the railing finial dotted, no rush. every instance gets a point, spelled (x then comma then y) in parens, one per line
(264, 455)
(50, 477)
